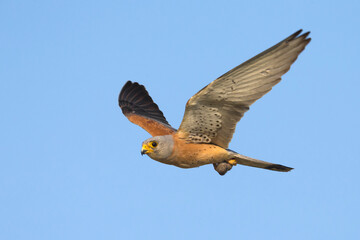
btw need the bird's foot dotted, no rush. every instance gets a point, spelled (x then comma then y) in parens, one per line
(233, 162)
(222, 167)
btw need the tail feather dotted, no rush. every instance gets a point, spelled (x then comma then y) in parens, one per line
(252, 162)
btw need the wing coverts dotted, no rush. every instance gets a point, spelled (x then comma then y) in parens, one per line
(211, 115)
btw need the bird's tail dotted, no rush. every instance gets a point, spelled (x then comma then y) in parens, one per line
(252, 162)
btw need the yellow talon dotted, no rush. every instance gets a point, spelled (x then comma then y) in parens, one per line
(232, 162)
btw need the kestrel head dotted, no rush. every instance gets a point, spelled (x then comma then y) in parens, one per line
(159, 147)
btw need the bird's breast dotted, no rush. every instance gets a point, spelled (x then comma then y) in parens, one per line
(189, 155)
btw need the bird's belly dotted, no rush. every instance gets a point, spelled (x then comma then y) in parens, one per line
(196, 155)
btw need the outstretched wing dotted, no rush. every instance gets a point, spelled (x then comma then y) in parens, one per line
(139, 108)
(211, 114)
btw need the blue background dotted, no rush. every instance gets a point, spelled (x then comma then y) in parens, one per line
(70, 161)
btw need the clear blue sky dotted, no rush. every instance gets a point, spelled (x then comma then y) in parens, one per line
(70, 161)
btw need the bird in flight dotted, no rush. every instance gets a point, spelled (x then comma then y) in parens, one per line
(211, 114)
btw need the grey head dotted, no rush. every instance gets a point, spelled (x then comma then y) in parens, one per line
(158, 148)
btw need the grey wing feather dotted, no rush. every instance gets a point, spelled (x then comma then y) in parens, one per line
(211, 115)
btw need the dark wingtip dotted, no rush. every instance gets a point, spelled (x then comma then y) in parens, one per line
(134, 98)
(222, 168)
(126, 89)
(305, 35)
(297, 35)
(297, 32)
(279, 168)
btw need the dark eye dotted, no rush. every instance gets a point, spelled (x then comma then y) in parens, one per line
(154, 144)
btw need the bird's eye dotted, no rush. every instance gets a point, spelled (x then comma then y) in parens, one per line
(154, 144)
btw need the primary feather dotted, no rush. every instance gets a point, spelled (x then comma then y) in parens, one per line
(211, 115)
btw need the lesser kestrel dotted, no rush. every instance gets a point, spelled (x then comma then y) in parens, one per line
(211, 114)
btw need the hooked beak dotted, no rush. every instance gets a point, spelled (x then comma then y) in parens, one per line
(146, 149)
